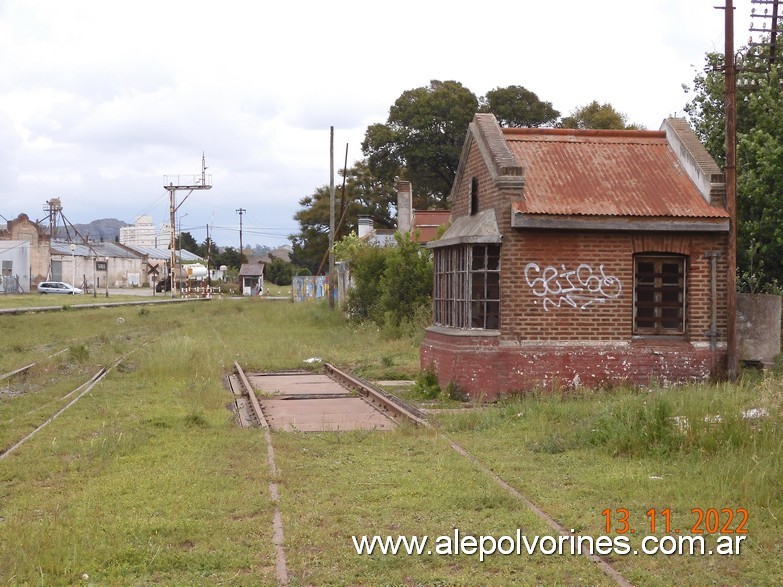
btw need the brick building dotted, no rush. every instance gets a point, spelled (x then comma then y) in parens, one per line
(580, 258)
(33, 267)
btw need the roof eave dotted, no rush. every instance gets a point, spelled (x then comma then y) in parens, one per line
(621, 223)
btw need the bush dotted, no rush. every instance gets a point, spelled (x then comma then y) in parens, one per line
(367, 265)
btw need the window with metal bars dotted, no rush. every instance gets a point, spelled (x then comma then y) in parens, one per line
(467, 286)
(659, 294)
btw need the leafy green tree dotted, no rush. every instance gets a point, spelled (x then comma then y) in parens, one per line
(279, 272)
(311, 243)
(365, 195)
(597, 116)
(230, 257)
(759, 159)
(422, 139)
(516, 106)
(186, 241)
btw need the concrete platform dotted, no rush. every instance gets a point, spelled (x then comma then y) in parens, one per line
(311, 402)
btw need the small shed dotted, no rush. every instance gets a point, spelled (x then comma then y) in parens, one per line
(580, 258)
(251, 277)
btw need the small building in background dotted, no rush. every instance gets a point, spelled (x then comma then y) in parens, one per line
(144, 233)
(251, 277)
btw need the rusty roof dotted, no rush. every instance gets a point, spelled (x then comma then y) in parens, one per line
(604, 173)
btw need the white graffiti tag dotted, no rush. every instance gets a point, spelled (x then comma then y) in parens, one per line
(578, 288)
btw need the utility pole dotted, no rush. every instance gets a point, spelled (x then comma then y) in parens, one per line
(774, 17)
(731, 192)
(240, 211)
(209, 254)
(193, 183)
(331, 217)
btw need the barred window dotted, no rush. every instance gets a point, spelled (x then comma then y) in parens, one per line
(659, 295)
(467, 286)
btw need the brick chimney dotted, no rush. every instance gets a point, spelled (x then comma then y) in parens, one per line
(404, 206)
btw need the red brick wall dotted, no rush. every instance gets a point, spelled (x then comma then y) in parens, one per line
(484, 369)
(544, 274)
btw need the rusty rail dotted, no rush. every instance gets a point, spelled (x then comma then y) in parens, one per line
(251, 395)
(394, 406)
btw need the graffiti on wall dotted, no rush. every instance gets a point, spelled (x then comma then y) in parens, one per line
(307, 288)
(578, 288)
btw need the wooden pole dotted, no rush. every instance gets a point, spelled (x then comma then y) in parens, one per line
(331, 217)
(731, 193)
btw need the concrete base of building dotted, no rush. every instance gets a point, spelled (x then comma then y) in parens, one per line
(485, 367)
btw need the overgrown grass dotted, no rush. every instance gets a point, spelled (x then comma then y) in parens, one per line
(699, 446)
(146, 480)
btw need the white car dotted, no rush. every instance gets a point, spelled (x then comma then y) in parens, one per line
(47, 287)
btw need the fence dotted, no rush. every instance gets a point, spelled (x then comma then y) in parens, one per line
(9, 284)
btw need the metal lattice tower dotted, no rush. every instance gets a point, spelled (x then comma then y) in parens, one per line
(173, 184)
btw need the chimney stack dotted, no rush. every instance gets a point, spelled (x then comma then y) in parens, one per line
(365, 226)
(404, 206)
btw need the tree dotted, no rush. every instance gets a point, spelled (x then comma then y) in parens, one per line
(515, 106)
(597, 116)
(367, 266)
(186, 241)
(422, 139)
(312, 241)
(279, 272)
(228, 256)
(759, 159)
(365, 195)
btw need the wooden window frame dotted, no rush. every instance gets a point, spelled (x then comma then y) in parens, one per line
(660, 295)
(466, 292)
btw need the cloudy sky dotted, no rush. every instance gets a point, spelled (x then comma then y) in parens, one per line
(100, 99)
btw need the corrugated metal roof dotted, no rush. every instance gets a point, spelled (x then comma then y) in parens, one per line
(110, 249)
(604, 173)
(165, 254)
(99, 249)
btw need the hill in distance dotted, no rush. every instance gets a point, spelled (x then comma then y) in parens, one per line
(104, 229)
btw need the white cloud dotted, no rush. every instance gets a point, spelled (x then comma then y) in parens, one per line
(100, 100)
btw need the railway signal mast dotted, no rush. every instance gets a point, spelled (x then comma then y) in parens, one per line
(174, 183)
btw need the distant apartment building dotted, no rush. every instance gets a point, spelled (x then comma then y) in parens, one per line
(144, 233)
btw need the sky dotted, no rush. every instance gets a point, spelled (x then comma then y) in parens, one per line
(100, 99)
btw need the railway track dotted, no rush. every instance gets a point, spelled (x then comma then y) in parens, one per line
(76, 394)
(85, 388)
(277, 388)
(27, 367)
(302, 400)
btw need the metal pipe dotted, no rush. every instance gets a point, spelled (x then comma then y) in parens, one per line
(713, 332)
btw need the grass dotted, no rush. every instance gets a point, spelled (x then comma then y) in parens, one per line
(146, 480)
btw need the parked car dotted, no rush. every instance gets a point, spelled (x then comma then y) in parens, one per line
(47, 287)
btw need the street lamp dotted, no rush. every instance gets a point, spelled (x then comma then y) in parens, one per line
(73, 267)
(106, 259)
